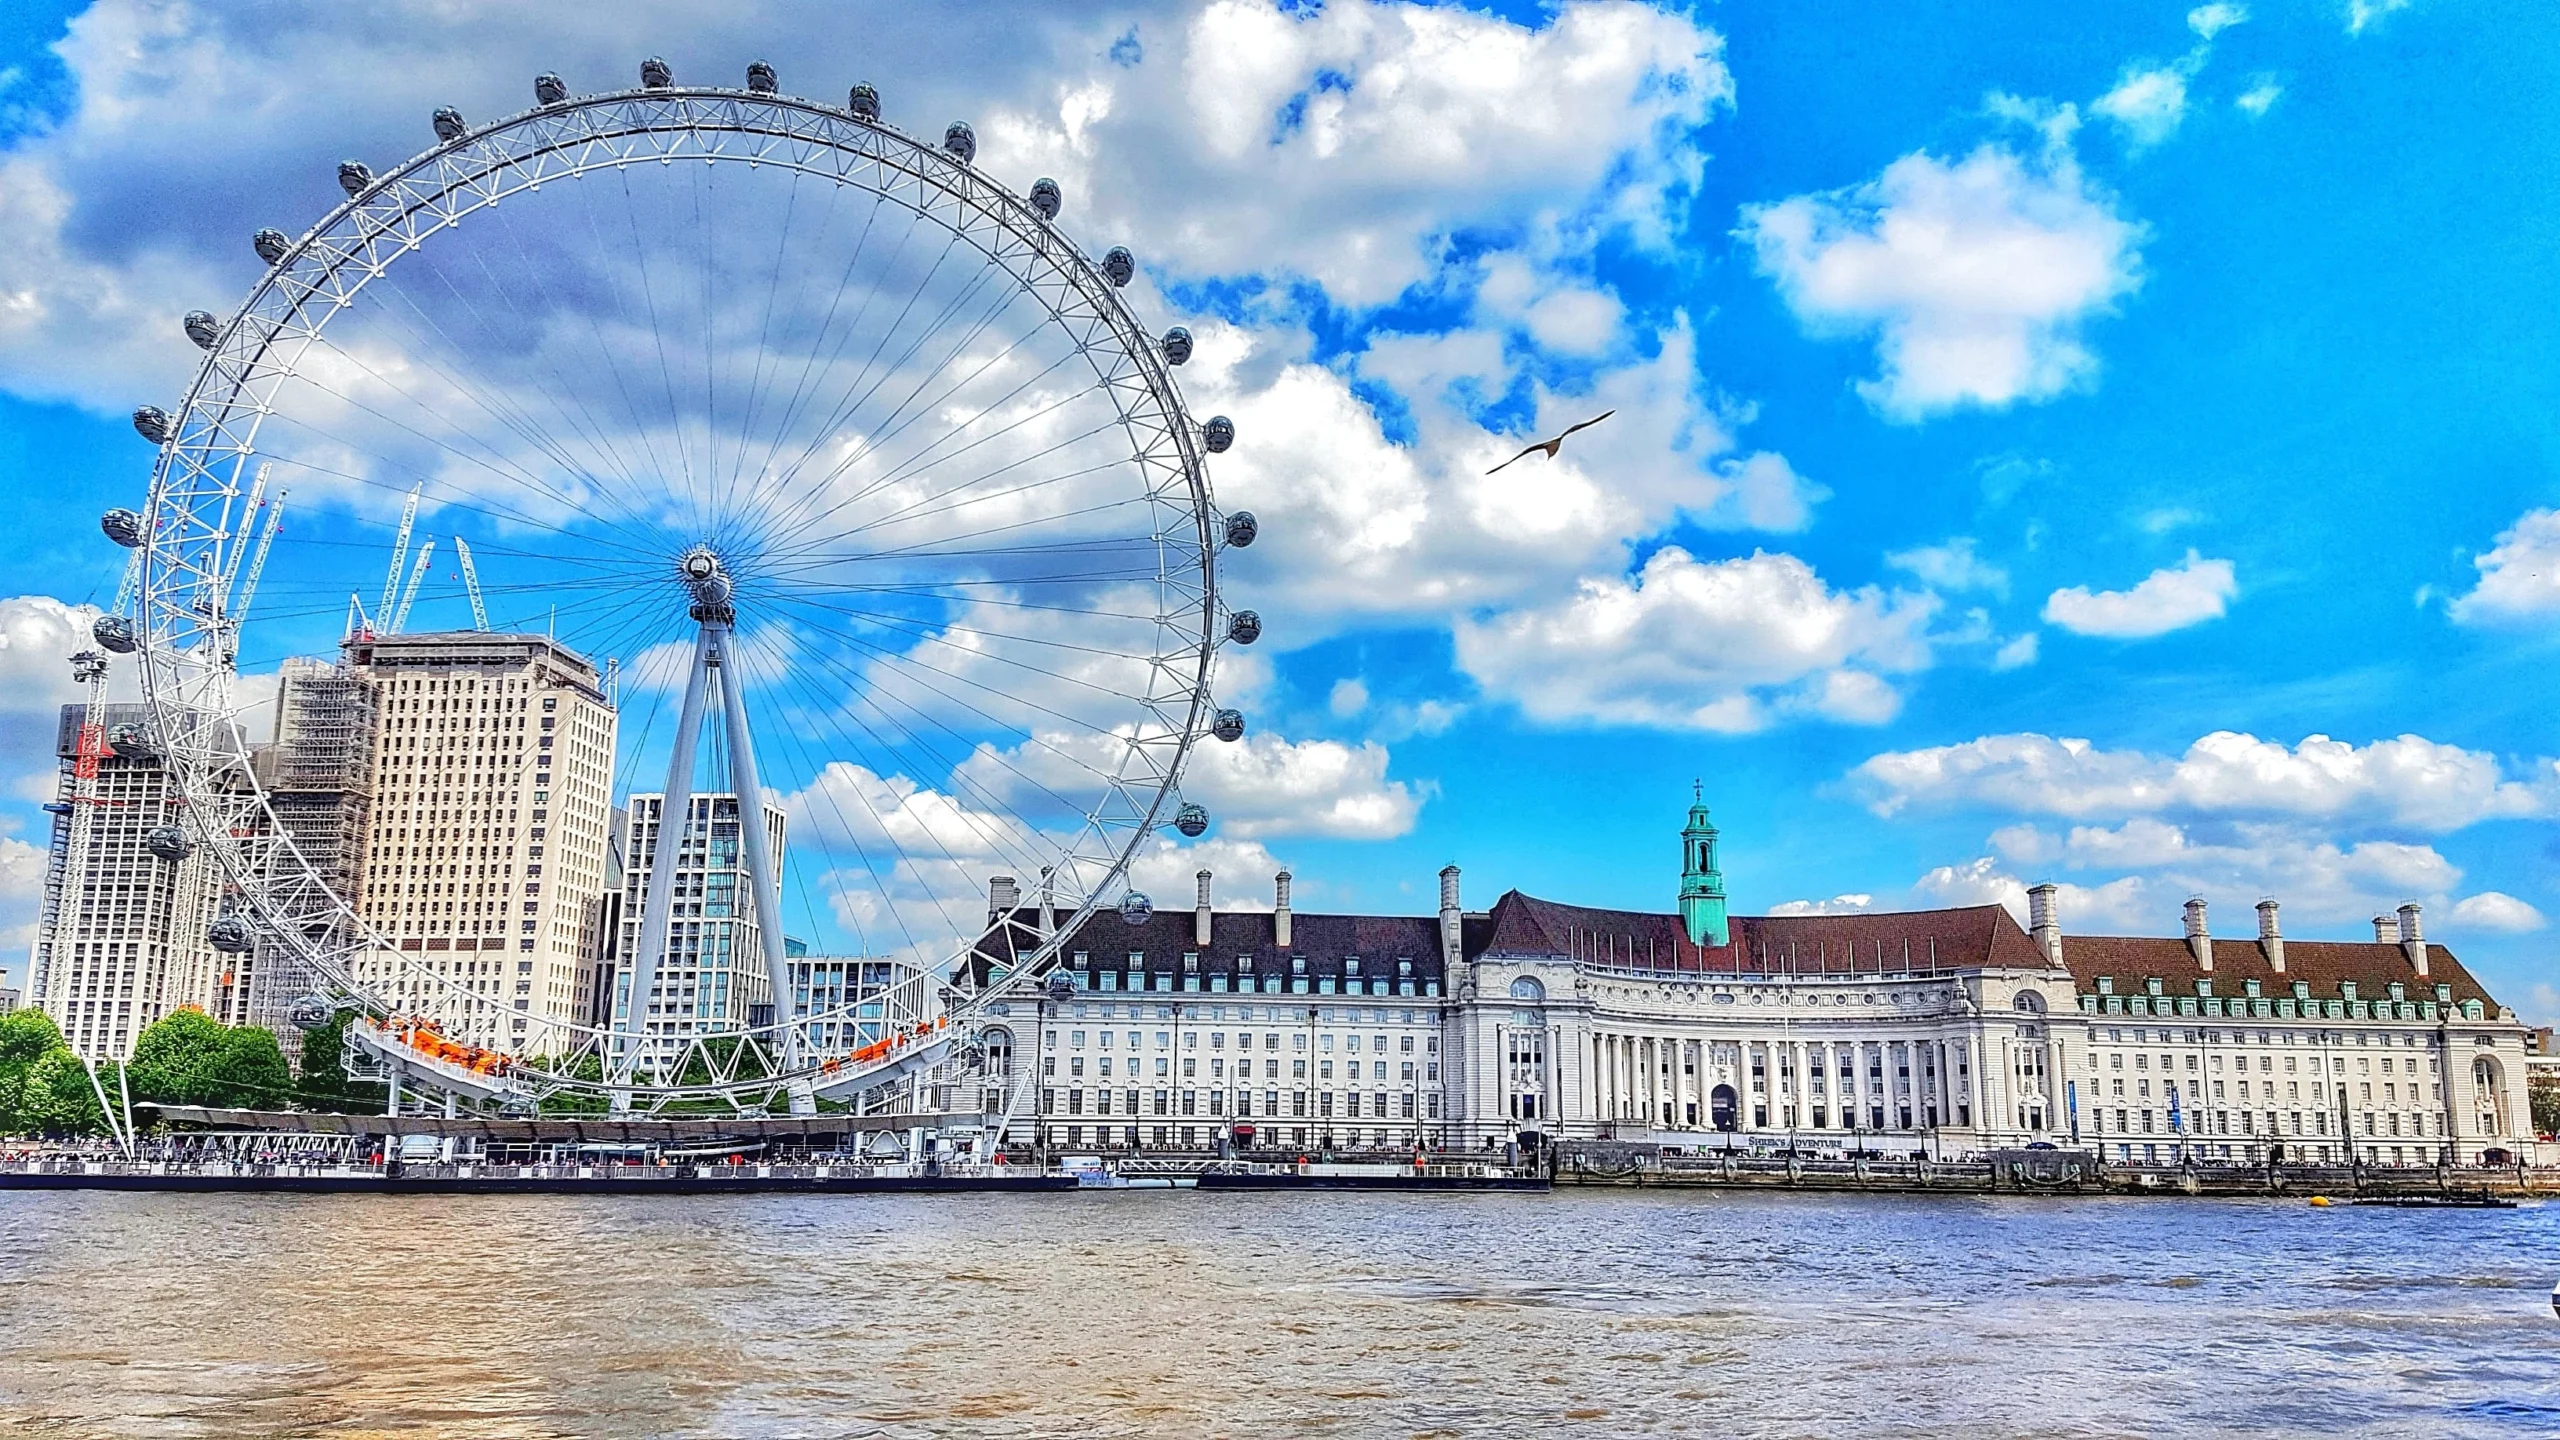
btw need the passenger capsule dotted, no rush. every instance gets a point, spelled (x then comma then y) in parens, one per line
(353, 177)
(231, 935)
(152, 424)
(115, 632)
(761, 79)
(203, 328)
(1218, 434)
(1192, 820)
(961, 141)
(130, 741)
(87, 665)
(1177, 346)
(549, 89)
(1244, 627)
(1119, 265)
(1227, 725)
(864, 102)
(122, 526)
(1242, 528)
(168, 842)
(448, 123)
(1136, 908)
(654, 74)
(270, 245)
(1060, 984)
(1046, 197)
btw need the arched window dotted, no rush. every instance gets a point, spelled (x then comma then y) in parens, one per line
(2030, 1003)
(1527, 988)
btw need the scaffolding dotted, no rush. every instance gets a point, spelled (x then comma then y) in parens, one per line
(327, 718)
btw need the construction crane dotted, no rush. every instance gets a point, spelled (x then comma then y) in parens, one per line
(266, 542)
(242, 543)
(399, 556)
(409, 593)
(471, 584)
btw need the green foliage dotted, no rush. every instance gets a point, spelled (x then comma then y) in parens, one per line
(323, 1083)
(2544, 1096)
(189, 1058)
(59, 1100)
(26, 1037)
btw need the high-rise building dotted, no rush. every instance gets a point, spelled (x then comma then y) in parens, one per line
(319, 781)
(712, 975)
(491, 793)
(128, 894)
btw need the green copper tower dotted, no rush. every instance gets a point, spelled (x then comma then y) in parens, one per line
(1701, 883)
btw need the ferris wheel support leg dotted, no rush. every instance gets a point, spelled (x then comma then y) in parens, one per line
(675, 816)
(758, 849)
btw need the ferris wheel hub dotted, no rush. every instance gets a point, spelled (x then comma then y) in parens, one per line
(707, 581)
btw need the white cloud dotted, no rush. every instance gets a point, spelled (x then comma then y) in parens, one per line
(1357, 526)
(1976, 276)
(2520, 576)
(1951, 566)
(2189, 593)
(2017, 654)
(2148, 101)
(2361, 13)
(1348, 698)
(2497, 910)
(1261, 786)
(2409, 780)
(2118, 903)
(2260, 97)
(21, 897)
(1852, 904)
(2211, 20)
(1576, 321)
(1730, 645)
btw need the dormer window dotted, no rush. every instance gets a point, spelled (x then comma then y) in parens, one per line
(1404, 968)
(1244, 964)
(1351, 966)
(2251, 986)
(1190, 962)
(1297, 964)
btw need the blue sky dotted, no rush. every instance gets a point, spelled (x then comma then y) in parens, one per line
(2035, 424)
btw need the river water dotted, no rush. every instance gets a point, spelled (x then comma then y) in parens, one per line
(1153, 1313)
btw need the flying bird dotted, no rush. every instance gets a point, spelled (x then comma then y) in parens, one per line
(1556, 444)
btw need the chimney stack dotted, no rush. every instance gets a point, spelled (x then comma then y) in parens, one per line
(1002, 896)
(2386, 931)
(2413, 940)
(2044, 920)
(1200, 912)
(2270, 936)
(1450, 918)
(2199, 938)
(1280, 910)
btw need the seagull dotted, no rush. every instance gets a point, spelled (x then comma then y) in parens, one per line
(1552, 446)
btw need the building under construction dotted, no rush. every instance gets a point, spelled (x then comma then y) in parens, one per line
(319, 780)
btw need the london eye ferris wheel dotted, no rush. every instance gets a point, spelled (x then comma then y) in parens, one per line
(856, 473)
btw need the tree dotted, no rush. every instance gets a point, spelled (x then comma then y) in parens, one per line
(58, 1098)
(323, 1083)
(188, 1058)
(2544, 1096)
(26, 1037)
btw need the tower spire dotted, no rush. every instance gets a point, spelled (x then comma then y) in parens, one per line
(1702, 897)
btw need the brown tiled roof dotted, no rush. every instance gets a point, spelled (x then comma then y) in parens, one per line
(2130, 960)
(1967, 936)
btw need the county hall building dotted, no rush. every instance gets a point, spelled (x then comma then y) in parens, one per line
(1932, 1032)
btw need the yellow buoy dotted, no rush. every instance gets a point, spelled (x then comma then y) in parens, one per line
(2320, 1200)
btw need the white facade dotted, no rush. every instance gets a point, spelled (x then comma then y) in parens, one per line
(121, 939)
(485, 857)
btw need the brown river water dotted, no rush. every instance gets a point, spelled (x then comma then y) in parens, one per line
(1154, 1313)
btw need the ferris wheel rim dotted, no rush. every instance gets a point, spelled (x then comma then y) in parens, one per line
(663, 111)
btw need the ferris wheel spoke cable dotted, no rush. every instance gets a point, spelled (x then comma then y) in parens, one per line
(1018, 422)
(999, 844)
(872, 695)
(916, 510)
(595, 434)
(855, 399)
(445, 496)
